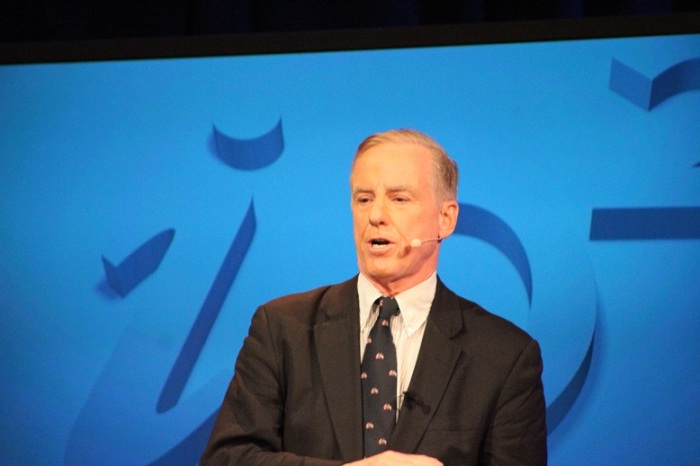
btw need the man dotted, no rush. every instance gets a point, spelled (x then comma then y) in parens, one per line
(464, 386)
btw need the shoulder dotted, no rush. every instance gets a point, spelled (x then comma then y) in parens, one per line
(477, 328)
(314, 304)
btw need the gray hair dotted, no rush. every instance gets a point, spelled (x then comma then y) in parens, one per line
(445, 168)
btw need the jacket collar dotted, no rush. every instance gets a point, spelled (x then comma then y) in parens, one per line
(336, 337)
(434, 367)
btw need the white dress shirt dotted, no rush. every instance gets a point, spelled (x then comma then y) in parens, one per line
(407, 328)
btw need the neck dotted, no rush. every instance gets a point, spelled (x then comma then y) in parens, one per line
(392, 288)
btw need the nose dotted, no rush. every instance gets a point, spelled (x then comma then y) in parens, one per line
(377, 212)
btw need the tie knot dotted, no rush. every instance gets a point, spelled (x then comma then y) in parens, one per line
(388, 307)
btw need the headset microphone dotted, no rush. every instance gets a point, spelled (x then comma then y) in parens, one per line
(416, 243)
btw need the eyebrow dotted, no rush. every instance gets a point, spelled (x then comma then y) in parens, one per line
(401, 188)
(361, 190)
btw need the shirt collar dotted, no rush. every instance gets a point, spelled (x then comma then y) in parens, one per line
(414, 303)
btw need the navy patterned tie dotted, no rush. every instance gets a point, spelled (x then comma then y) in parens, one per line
(379, 380)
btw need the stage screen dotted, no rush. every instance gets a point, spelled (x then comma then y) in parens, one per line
(148, 206)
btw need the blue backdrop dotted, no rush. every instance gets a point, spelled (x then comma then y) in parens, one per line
(147, 207)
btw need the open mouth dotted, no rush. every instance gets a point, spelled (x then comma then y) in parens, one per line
(379, 242)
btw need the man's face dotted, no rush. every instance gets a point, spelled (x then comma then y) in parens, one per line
(394, 202)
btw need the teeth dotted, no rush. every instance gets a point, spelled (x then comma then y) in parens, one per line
(379, 243)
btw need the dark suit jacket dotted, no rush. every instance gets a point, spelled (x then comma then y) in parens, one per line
(476, 395)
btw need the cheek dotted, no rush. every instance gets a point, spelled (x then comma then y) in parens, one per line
(359, 219)
(358, 226)
(417, 221)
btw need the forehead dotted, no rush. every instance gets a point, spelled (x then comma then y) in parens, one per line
(394, 160)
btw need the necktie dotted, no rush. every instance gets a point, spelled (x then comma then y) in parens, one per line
(379, 380)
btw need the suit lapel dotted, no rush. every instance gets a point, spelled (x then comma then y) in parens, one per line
(436, 362)
(338, 350)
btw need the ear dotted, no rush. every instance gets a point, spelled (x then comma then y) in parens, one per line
(449, 210)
